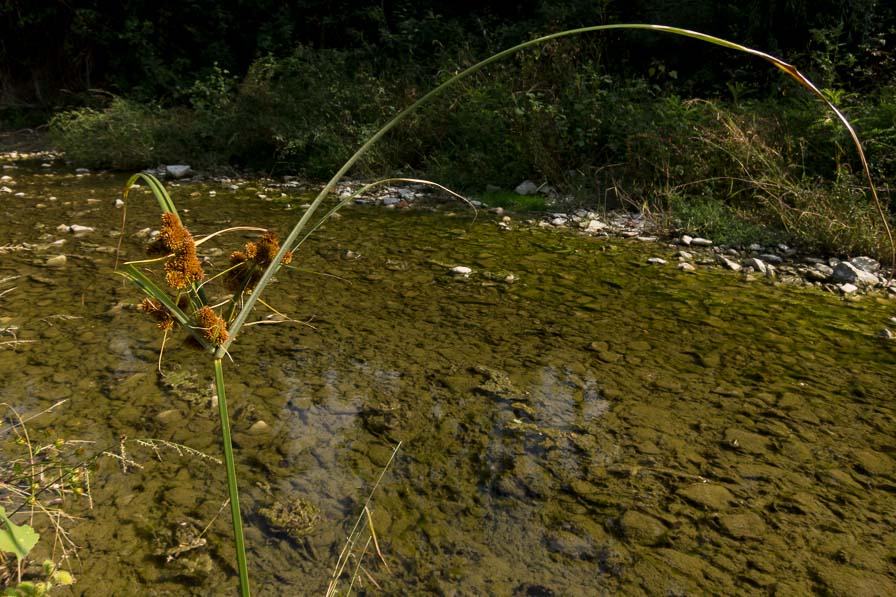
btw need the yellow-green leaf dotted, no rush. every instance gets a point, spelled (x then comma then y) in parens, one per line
(17, 539)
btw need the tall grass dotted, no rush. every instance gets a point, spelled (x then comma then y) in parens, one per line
(215, 327)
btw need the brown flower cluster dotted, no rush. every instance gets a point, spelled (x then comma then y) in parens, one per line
(157, 311)
(214, 329)
(253, 261)
(183, 268)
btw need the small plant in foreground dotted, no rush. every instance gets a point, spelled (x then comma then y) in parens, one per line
(52, 578)
(33, 485)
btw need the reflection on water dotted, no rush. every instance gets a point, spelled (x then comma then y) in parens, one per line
(596, 427)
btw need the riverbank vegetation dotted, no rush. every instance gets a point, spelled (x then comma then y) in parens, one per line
(700, 138)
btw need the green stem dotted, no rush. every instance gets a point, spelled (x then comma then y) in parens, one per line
(238, 540)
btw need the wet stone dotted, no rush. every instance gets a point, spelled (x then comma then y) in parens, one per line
(775, 428)
(379, 455)
(712, 497)
(866, 264)
(710, 360)
(295, 517)
(259, 428)
(583, 488)
(846, 581)
(639, 346)
(570, 545)
(642, 528)
(169, 416)
(745, 441)
(873, 463)
(728, 264)
(839, 478)
(848, 273)
(748, 525)
(496, 382)
(756, 264)
(759, 471)
(608, 356)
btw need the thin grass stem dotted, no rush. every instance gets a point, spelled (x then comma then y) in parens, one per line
(331, 185)
(232, 489)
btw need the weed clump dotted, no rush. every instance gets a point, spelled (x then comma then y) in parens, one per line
(214, 328)
(248, 265)
(155, 309)
(183, 268)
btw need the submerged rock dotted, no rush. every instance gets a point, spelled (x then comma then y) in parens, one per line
(743, 526)
(642, 528)
(295, 517)
(496, 383)
(712, 497)
(837, 579)
(259, 428)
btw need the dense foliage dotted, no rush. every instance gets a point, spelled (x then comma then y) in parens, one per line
(657, 122)
(155, 49)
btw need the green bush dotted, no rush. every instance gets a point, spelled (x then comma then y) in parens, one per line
(307, 112)
(121, 136)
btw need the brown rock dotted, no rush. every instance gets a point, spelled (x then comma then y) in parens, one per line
(713, 497)
(748, 525)
(642, 528)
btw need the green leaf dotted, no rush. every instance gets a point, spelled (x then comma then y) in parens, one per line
(158, 191)
(15, 538)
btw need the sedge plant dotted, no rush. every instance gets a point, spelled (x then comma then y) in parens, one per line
(183, 301)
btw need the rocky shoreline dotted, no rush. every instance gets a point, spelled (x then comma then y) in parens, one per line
(780, 263)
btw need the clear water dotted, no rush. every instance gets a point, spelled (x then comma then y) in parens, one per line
(598, 426)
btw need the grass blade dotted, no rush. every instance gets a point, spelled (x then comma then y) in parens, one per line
(232, 488)
(158, 191)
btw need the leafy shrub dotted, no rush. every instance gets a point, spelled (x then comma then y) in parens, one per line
(121, 136)
(307, 112)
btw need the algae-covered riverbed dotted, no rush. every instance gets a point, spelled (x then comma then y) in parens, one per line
(597, 426)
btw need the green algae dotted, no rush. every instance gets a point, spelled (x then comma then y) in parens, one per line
(594, 427)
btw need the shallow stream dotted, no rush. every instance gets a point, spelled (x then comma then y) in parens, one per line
(596, 426)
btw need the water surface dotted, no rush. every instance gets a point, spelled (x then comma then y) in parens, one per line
(597, 426)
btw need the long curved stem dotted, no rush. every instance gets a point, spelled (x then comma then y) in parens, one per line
(306, 217)
(232, 489)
